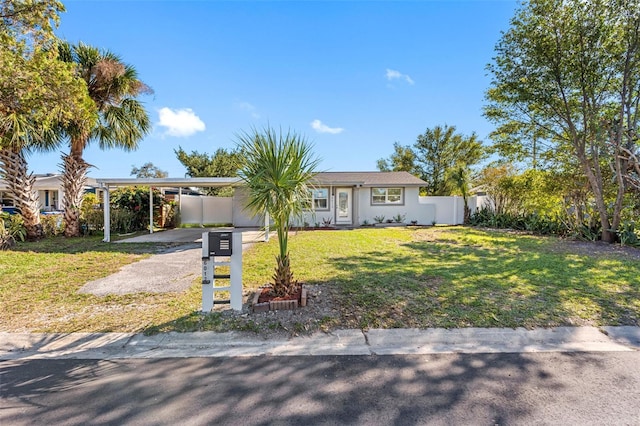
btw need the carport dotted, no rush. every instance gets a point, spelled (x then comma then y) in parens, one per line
(208, 182)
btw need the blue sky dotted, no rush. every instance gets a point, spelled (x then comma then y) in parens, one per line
(352, 76)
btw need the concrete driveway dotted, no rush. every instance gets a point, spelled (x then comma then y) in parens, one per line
(172, 270)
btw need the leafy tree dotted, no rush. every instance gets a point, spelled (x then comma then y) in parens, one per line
(570, 72)
(148, 170)
(277, 169)
(222, 163)
(403, 159)
(37, 94)
(114, 87)
(434, 155)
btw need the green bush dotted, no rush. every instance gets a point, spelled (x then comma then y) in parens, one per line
(12, 229)
(52, 224)
(130, 207)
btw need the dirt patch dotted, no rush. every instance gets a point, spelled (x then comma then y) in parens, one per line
(321, 313)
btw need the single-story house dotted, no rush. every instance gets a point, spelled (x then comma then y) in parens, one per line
(49, 189)
(337, 199)
(354, 198)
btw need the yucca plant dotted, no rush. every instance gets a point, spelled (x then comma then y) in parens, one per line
(277, 169)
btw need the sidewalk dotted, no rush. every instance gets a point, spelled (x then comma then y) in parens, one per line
(14, 346)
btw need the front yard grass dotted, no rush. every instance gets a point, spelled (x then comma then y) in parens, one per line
(382, 278)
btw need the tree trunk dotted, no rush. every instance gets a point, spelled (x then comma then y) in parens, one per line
(73, 179)
(20, 187)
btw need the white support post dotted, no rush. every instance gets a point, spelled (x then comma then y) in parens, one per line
(266, 226)
(236, 272)
(455, 210)
(207, 275)
(107, 215)
(150, 210)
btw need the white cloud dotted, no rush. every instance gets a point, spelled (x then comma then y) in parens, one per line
(320, 127)
(180, 122)
(394, 75)
(246, 106)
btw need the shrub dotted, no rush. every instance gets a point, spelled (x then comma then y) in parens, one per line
(52, 224)
(12, 229)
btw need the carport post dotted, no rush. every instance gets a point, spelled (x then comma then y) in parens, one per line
(150, 210)
(266, 226)
(107, 215)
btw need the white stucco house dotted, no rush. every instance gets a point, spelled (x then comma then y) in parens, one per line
(49, 189)
(354, 198)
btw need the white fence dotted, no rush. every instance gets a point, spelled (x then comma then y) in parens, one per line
(196, 210)
(203, 210)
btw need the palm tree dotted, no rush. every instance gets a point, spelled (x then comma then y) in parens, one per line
(38, 93)
(459, 179)
(113, 86)
(277, 169)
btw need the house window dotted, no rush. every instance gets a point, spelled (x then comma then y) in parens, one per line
(386, 196)
(320, 197)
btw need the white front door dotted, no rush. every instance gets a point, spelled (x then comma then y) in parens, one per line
(343, 206)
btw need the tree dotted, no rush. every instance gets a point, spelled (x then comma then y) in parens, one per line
(570, 71)
(38, 94)
(460, 179)
(277, 169)
(222, 163)
(148, 170)
(403, 159)
(433, 156)
(113, 86)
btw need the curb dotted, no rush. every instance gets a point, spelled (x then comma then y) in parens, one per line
(19, 346)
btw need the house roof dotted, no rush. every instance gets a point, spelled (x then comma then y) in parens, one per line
(369, 179)
(48, 181)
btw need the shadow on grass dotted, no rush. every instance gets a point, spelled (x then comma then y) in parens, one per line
(503, 284)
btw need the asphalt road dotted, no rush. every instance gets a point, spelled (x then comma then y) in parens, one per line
(483, 389)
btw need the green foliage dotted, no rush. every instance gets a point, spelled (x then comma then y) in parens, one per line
(12, 229)
(628, 234)
(148, 170)
(565, 79)
(130, 208)
(222, 163)
(277, 169)
(433, 156)
(91, 214)
(52, 224)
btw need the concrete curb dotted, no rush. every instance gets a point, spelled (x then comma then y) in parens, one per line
(14, 346)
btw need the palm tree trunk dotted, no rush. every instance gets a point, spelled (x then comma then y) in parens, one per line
(73, 179)
(20, 183)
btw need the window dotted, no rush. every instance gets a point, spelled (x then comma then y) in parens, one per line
(320, 197)
(386, 196)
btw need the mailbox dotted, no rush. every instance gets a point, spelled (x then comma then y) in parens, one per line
(220, 243)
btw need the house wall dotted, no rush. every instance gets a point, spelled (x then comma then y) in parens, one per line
(206, 210)
(412, 209)
(424, 210)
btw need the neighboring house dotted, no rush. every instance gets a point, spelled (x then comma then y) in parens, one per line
(50, 192)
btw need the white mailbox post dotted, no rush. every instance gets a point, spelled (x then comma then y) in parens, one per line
(228, 247)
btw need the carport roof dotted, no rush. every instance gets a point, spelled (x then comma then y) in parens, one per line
(322, 178)
(172, 182)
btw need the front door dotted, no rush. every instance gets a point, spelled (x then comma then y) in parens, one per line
(343, 206)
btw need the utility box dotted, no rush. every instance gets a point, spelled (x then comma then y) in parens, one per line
(218, 244)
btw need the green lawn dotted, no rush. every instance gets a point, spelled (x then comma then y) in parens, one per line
(393, 277)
